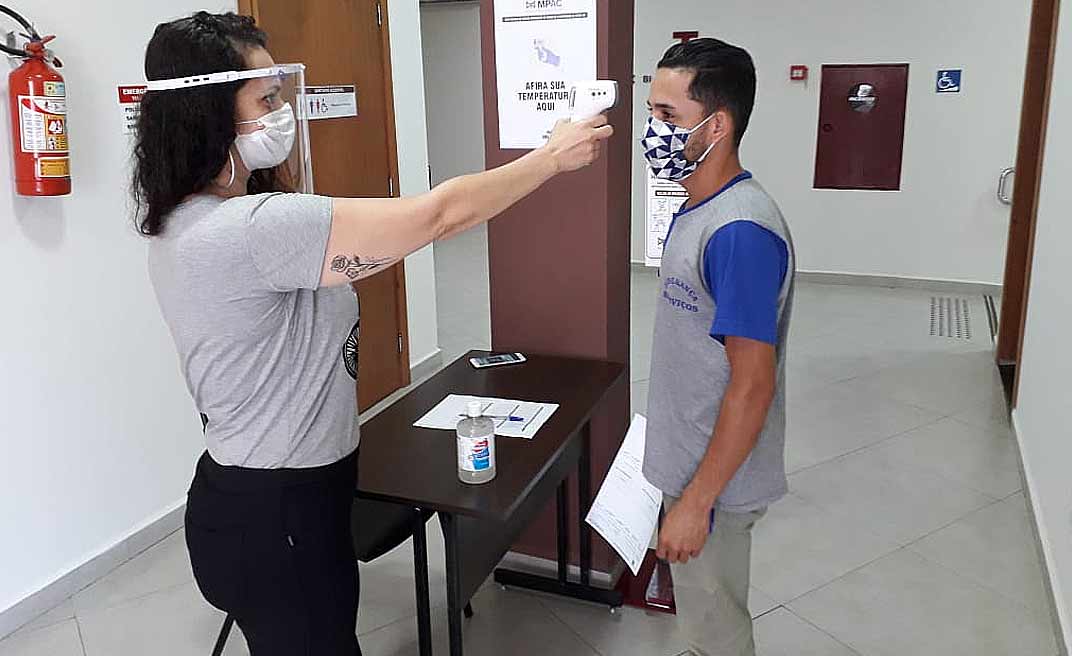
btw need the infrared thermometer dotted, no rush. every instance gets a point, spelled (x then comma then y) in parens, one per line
(591, 98)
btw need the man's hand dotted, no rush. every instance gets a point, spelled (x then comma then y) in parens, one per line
(576, 145)
(684, 531)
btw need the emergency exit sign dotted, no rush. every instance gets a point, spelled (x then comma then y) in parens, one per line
(130, 105)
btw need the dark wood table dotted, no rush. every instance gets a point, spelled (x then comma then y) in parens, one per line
(417, 467)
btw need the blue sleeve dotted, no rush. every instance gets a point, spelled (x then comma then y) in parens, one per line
(744, 266)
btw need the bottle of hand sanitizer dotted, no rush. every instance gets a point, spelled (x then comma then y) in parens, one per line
(476, 446)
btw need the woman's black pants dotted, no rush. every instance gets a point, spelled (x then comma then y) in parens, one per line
(272, 547)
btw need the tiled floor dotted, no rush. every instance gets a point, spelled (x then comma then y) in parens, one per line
(906, 532)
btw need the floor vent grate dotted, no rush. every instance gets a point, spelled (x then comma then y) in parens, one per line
(951, 317)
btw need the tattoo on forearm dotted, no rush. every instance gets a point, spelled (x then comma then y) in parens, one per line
(353, 267)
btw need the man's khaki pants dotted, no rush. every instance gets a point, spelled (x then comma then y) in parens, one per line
(711, 592)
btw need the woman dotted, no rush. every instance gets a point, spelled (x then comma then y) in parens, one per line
(253, 284)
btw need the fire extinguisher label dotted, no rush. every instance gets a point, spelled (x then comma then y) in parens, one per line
(43, 124)
(54, 89)
(53, 167)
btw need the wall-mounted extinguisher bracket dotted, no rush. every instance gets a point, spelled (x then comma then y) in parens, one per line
(38, 101)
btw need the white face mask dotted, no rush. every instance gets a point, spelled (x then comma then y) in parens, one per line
(270, 146)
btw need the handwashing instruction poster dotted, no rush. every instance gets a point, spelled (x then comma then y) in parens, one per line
(541, 48)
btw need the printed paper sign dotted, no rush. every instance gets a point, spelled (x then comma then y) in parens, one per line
(130, 105)
(542, 47)
(338, 101)
(663, 199)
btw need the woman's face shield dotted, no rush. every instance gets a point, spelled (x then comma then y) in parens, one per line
(264, 91)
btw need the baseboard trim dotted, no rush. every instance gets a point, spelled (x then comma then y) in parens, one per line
(876, 280)
(419, 372)
(1062, 621)
(898, 282)
(426, 366)
(546, 567)
(80, 577)
(151, 532)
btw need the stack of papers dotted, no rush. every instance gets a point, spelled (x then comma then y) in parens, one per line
(512, 418)
(626, 510)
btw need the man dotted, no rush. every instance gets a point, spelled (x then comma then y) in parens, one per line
(716, 412)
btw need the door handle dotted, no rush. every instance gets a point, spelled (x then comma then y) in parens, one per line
(1002, 181)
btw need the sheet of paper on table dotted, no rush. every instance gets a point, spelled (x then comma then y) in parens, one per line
(626, 509)
(512, 418)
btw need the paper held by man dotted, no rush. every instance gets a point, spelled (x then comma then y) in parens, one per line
(626, 509)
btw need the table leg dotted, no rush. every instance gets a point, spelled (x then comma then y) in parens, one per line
(454, 593)
(560, 584)
(562, 517)
(225, 630)
(584, 499)
(420, 572)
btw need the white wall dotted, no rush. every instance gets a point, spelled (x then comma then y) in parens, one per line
(1041, 417)
(453, 88)
(945, 223)
(411, 132)
(97, 432)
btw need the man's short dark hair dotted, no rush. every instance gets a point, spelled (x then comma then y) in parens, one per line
(725, 78)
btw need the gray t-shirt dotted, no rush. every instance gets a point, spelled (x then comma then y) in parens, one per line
(690, 370)
(268, 356)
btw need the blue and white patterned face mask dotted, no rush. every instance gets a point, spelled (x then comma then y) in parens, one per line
(664, 147)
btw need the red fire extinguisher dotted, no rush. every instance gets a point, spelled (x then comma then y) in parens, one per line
(38, 104)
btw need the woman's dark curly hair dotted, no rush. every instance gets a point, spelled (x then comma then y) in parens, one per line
(183, 135)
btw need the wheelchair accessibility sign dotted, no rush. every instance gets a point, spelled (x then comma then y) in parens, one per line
(948, 81)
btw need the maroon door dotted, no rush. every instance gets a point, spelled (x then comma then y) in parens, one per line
(861, 126)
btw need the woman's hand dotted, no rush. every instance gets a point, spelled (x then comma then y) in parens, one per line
(576, 145)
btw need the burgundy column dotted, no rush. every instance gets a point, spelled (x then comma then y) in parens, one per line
(559, 261)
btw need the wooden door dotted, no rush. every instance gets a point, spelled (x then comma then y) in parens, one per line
(861, 127)
(346, 42)
(1021, 244)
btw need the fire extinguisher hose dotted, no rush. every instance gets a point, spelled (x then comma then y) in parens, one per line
(27, 25)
